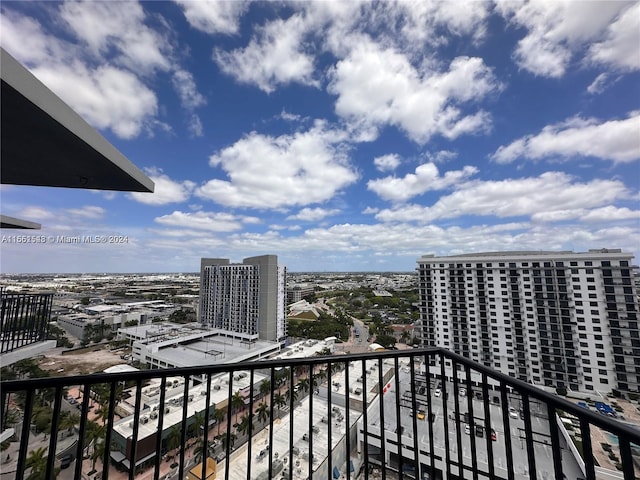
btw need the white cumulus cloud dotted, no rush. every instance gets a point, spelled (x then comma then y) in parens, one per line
(89, 211)
(378, 86)
(556, 31)
(214, 16)
(616, 140)
(313, 214)
(273, 172)
(426, 177)
(549, 192)
(166, 190)
(210, 221)
(273, 57)
(619, 49)
(387, 163)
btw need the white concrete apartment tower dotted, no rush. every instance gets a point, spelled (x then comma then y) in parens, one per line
(555, 319)
(246, 299)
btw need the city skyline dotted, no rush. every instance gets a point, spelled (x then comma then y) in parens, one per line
(341, 137)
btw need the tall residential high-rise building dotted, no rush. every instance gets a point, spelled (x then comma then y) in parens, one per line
(556, 319)
(245, 298)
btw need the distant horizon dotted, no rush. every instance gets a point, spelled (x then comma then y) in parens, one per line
(400, 272)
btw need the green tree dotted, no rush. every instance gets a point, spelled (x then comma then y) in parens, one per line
(231, 440)
(237, 402)
(303, 384)
(219, 415)
(279, 400)
(243, 426)
(265, 387)
(42, 419)
(263, 412)
(98, 453)
(173, 438)
(68, 420)
(37, 463)
(292, 394)
(387, 341)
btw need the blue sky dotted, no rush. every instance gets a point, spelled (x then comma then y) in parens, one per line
(341, 136)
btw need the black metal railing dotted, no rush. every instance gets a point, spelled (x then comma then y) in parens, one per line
(24, 319)
(419, 413)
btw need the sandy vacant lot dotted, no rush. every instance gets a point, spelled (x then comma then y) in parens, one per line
(83, 362)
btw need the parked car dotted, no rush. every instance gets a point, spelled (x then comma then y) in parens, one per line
(437, 392)
(513, 413)
(467, 429)
(66, 460)
(479, 431)
(494, 436)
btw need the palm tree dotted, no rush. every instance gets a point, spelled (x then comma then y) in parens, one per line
(237, 401)
(173, 438)
(281, 377)
(198, 421)
(219, 415)
(292, 394)
(37, 462)
(68, 420)
(231, 439)
(279, 401)
(98, 452)
(303, 384)
(42, 419)
(243, 426)
(265, 387)
(94, 434)
(263, 412)
(102, 413)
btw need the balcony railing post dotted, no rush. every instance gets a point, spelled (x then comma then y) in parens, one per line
(414, 418)
(432, 467)
(625, 456)
(160, 429)
(250, 426)
(81, 433)
(587, 455)
(470, 416)
(445, 419)
(456, 416)
(365, 421)
(555, 441)
(291, 423)
(183, 436)
(488, 428)
(347, 415)
(53, 437)
(329, 424)
(204, 450)
(229, 413)
(507, 430)
(381, 385)
(109, 428)
(136, 429)
(272, 382)
(529, 436)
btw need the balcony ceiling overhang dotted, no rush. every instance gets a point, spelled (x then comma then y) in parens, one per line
(11, 222)
(46, 143)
